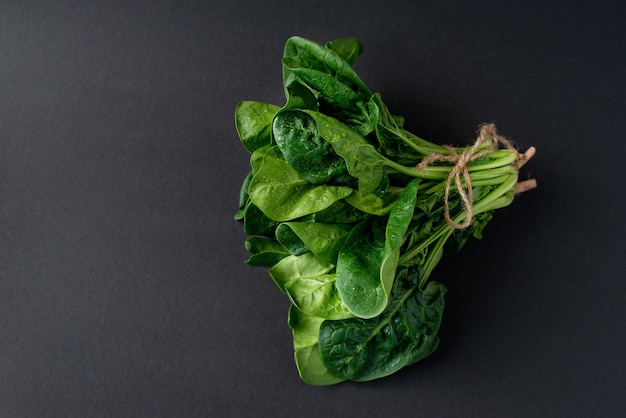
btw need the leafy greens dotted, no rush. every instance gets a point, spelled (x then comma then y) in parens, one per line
(350, 213)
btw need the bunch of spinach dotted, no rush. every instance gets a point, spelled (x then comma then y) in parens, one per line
(347, 219)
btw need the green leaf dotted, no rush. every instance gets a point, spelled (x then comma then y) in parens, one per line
(367, 262)
(265, 252)
(243, 197)
(406, 332)
(373, 204)
(255, 222)
(347, 48)
(399, 220)
(305, 150)
(317, 296)
(253, 121)
(358, 269)
(282, 194)
(329, 78)
(307, 356)
(296, 266)
(305, 328)
(340, 212)
(324, 240)
(361, 158)
(290, 240)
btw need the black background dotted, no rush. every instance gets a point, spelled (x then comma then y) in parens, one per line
(123, 291)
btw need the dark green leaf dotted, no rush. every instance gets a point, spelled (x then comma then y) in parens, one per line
(406, 332)
(243, 197)
(330, 78)
(256, 222)
(307, 152)
(290, 240)
(395, 234)
(361, 158)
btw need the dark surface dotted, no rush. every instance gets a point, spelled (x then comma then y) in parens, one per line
(123, 291)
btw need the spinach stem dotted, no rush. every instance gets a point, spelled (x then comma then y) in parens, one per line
(501, 196)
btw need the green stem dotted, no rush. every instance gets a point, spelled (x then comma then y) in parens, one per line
(421, 246)
(442, 172)
(433, 257)
(499, 197)
(497, 161)
(419, 144)
(489, 202)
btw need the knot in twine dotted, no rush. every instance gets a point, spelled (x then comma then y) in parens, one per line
(460, 172)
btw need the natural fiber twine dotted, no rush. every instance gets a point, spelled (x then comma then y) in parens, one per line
(460, 172)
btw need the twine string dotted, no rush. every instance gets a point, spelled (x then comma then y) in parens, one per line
(460, 172)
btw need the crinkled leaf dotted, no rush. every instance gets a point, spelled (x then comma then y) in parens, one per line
(406, 332)
(329, 78)
(305, 150)
(361, 158)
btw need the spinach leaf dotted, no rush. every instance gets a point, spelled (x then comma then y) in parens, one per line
(395, 234)
(294, 267)
(340, 212)
(323, 240)
(367, 262)
(329, 78)
(347, 48)
(361, 158)
(406, 332)
(305, 150)
(358, 268)
(243, 197)
(257, 223)
(374, 204)
(253, 121)
(317, 296)
(282, 194)
(265, 252)
(290, 240)
(307, 355)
